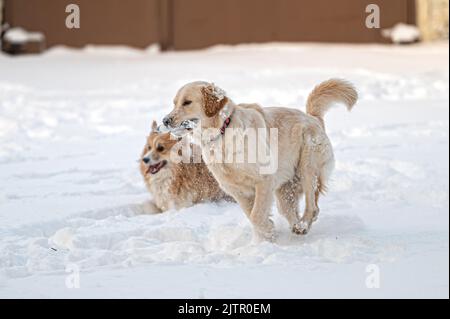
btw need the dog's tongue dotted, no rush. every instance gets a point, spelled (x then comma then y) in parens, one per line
(153, 169)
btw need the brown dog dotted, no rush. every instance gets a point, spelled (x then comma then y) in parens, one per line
(175, 185)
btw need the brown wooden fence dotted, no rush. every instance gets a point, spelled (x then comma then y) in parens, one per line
(192, 24)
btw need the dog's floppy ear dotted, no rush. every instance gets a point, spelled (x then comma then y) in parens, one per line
(154, 127)
(214, 99)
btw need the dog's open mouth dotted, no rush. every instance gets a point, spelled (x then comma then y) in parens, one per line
(153, 169)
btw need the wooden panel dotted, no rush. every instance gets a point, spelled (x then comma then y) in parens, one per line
(1, 14)
(201, 23)
(133, 23)
(192, 24)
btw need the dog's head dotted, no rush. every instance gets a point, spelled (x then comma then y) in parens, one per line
(196, 101)
(156, 153)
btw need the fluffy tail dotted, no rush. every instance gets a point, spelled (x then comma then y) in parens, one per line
(327, 93)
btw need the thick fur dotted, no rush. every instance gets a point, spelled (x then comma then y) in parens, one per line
(176, 185)
(305, 154)
(329, 92)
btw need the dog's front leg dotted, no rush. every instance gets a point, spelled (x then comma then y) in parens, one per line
(149, 207)
(245, 202)
(260, 214)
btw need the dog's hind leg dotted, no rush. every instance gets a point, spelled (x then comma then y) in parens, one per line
(288, 198)
(309, 182)
(316, 164)
(325, 171)
(309, 174)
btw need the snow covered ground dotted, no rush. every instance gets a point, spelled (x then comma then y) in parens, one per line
(72, 124)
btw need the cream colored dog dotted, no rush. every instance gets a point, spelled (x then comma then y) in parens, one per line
(305, 154)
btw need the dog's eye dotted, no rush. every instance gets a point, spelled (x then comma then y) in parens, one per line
(186, 103)
(149, 148)
(160, 148)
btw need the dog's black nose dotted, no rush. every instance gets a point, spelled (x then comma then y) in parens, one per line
(146, 160)
(167, 121)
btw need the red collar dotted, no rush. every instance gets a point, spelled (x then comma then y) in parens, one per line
(226, 123)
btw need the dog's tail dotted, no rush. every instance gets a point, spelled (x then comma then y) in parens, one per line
(326, 94)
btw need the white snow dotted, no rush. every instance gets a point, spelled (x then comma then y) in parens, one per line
(219, 93)
(402, 33)
(19, 35)
(73, 123)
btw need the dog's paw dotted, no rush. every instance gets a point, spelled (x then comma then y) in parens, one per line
(272, 238)
(265, 236)
(302, 228)
(146, 208)
(316, 215)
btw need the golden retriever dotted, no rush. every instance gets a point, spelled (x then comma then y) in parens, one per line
(304, 154)
(174, 185)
